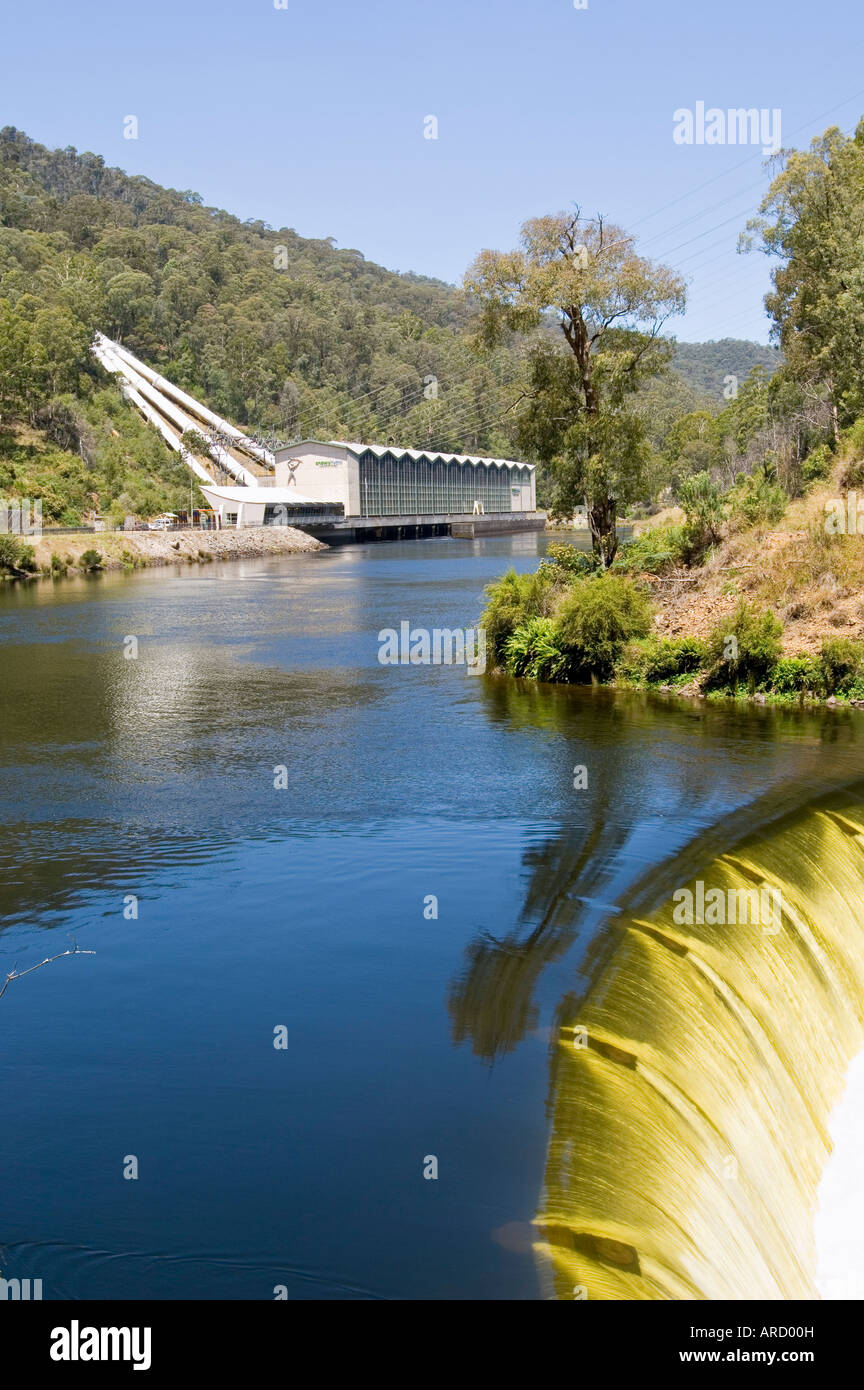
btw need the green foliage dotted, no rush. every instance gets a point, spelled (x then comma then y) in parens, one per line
(662, 659)
(565, 562)
(91, 560)
(756, 499)
(15, 554)
(852, 475)
(811, 222)
(744, 647)
(853, 438)
(841, 662)
(704, 510)
(580, 416)
(747, 413)
(596, 619)
(661, 402)
(796, 675)
(533, 650)
(657, 549)
(817, 466)
(692, 446)
(707, 366)
(511, 601)
(195, 442)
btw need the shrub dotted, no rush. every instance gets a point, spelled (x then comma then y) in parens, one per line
(841, 661)
(564, 561)
(533, 651)
(512, 600)
(655, 550)
(744, 647)
(853, 438)
(58, 565)
(91, 560)
(852, 474)
(756, 499)
(796, 675)
(705, 511)
(596, 619)
(817, 465)
(15, 555)
(664, 658)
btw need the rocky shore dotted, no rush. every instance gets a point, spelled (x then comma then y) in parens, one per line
(140, 549)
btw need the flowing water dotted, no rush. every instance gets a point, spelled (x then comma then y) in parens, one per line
(618, 1104)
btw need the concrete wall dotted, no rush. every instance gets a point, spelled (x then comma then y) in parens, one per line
(523, 497)
(248, 513)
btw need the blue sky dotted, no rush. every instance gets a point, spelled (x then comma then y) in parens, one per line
(312, 117)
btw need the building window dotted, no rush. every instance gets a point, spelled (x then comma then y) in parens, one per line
(423, 487)
(230, 518)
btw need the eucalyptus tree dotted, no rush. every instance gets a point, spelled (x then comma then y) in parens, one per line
(578, 415)
(811, 220)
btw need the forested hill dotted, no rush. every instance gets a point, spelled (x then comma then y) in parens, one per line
(284, 334)
(274, 328)
(705, 366)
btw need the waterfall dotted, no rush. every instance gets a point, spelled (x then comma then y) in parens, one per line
(694, 1078)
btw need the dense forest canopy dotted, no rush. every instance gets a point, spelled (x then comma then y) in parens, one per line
(707, 366)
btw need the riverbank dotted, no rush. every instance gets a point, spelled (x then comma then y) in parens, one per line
(735, 603)
(59, 554)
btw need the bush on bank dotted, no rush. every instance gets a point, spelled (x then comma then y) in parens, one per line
(744, 648)
(547, 627)
(16, 557)
(570, 624)
(513, 600)
(596, 620)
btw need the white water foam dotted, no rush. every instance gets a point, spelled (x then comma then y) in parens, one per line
(840, 1215)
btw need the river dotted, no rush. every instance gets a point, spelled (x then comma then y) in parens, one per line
(413, 918)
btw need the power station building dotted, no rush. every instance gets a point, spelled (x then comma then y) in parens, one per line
(374, 480)
(342, 491)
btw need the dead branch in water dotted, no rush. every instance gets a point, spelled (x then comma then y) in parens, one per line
(19, 974)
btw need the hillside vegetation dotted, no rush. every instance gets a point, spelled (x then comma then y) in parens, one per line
(752, 584)
(285, 335)
(772, 610)
(707, 367)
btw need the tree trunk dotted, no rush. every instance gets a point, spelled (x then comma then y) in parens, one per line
(602, 518)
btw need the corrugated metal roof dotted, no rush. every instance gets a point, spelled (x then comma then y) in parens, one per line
(379, 450)
(398, 452)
